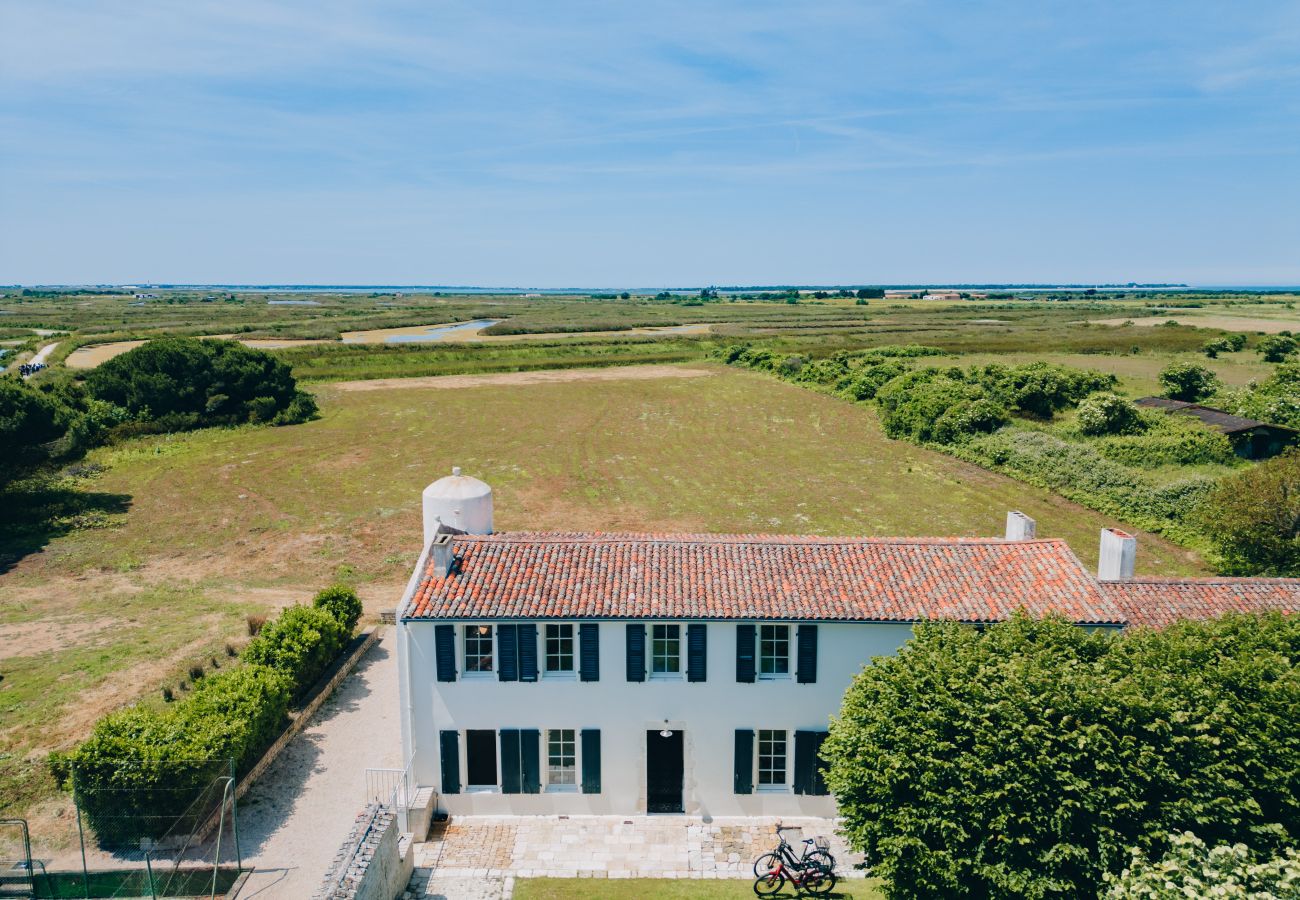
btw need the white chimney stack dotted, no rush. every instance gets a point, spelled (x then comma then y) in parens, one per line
(1020, 527)
(1118, 553)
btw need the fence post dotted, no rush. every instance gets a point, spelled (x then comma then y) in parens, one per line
(148, 866)
(81, 835)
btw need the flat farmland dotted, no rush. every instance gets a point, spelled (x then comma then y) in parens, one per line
(221, 523)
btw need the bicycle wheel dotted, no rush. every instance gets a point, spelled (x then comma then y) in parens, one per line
(822, 881)
(769, 883)
(766, 863)
(823, 858)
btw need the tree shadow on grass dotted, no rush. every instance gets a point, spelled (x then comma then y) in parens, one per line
(39, 509)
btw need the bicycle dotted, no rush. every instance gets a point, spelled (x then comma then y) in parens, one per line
(814, 871)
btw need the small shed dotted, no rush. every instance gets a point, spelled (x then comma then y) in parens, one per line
(1250, 439)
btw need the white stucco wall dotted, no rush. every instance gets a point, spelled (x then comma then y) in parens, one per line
(708, 712)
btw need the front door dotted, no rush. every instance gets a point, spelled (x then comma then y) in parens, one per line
(664, 768)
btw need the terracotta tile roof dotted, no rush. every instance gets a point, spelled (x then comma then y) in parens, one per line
(1161, 601)
(688, 576)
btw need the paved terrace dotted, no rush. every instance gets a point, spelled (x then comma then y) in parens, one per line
(478, 857)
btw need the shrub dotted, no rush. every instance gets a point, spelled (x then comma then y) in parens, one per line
(1025, 760)
(967, 417)
(1213, 348)
(864, 382)
(912, 404)
(255, 624)
(1106, 413)
(1040, 389)
(1276, 348)
(142, 767)
(1168, 440)
(301, 643)
(1192, 869)
(1253, 518)
(342, 603)
(1276, 399)
(1188, 382)
(30, 421)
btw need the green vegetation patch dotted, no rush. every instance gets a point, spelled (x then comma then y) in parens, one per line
(671, 889)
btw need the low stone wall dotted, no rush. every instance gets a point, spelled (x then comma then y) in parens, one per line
(369, 865)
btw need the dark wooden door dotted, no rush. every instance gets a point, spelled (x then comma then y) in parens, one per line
(664, 770)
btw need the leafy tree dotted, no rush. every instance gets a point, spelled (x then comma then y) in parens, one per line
(1026, 760)
(870, 293)
(1106, 413)
(1253, 518)
(1040, 389)
(1214, 347)
(30, 421)
(1193, 869)
(1188, 382)
(1277, 348)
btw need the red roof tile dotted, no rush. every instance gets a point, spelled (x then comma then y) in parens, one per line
(684, 576)
(1161, 601)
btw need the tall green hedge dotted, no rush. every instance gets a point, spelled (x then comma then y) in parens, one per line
(301, 642)
(1027, 760)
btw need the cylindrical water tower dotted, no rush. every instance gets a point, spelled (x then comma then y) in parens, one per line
(459, 501)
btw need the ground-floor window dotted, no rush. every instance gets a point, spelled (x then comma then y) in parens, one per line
(561, 759)
(481, 758)
(771, 758)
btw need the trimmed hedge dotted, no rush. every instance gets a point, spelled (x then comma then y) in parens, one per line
(1026, 760)
(143, 767)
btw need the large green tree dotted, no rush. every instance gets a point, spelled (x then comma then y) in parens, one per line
(1026, 760)
(30, 422)
(1253, 518)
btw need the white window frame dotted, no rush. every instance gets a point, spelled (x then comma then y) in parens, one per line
(464, 652)
(561, 788)
(784, 787)
(681, 639)
(773, 676)
(570, 674)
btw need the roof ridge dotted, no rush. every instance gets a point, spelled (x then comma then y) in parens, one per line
(742, 538)
(1202, 579)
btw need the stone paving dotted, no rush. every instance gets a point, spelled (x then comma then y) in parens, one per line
(478, 857)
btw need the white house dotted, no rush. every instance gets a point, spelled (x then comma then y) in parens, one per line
(676, 673)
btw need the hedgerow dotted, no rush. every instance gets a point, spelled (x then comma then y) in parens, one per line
(301, 643)
(1027, 760)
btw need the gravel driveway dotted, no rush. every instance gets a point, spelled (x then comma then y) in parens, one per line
(298, 814)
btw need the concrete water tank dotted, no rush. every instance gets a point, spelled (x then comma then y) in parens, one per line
(459, 501)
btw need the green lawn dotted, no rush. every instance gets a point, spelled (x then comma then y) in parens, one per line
(670, 889)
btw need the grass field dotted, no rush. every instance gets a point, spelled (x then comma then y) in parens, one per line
(224, 522)
(670, 889)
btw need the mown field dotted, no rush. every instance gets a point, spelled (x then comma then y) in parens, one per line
(224, 522)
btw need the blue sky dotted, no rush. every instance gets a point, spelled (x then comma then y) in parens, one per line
(662, 143)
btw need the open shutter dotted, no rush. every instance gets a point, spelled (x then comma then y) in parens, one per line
(450, 744)
(636, 652)
(528, 652)
(808, 776)
(511, 770)
(444, 645)
(589, 645)
(591, 760)
(696, 652)
(744, 781)
(745, 653)
(807, 673)
(507, 653)
(819, 765)
(530, 762)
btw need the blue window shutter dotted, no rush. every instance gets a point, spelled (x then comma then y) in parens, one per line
(530, 744)
(528, 652)
(507, 653)
(444, 645)
(744, 782)
(807, 654)
(511, 770)
(745, 653)
(696, 652)
(589, 645)
(636, 652)
(591, 760)
(809, 777)
(450, 744)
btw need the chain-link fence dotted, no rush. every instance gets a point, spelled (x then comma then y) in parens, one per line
(147, 828)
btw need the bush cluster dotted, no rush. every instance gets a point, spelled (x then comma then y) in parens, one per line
(1275, 399)
(1107, 413)
(1168, 440)
(1253, 518)
(143, 766)
(1188, 382)
(1028, 759)
(1190, 868)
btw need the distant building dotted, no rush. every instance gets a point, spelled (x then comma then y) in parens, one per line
(942, 295)
(1250, 439)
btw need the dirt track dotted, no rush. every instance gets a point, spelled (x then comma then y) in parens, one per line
(613, 373)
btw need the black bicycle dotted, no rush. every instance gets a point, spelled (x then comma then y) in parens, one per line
(812, 871)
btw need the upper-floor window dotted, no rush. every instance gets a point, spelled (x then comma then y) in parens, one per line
(561, 759)
(478, 648)
(559, 649)
(774, 651)
(666, 650)
(771, 758)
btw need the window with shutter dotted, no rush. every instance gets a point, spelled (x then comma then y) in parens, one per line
(636, 652)
(744, 762)
(530, 760)
(589, 639)
(444, 643)
(591, 761)
(809, 777)
(696, 652)
(511, 765)
(745, 653)
(450, 745)
(508, 641)
(527, 642)
(807, 654)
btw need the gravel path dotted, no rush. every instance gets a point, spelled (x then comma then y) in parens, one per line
(298, 814)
